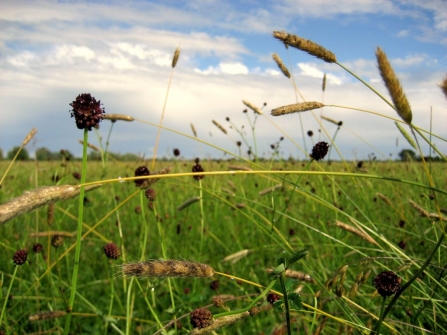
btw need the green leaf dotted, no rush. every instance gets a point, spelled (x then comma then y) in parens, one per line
(279, 269)
(281, 260)
(278, 306)
(291, 285)
(295, 301)
(297, 256)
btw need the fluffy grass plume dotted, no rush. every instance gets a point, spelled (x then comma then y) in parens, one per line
(41, 196)
(406, 135)
(281, 65)
(393, 86)
(308, 46)
(169, 268)
(252, 107)
(296, 108)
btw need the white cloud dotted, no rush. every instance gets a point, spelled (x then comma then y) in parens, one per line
(22, 59)
(310, 71)
(225, 68)
(67, 53)
(233, 68)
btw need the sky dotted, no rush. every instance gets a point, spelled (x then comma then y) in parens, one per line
(121, 53)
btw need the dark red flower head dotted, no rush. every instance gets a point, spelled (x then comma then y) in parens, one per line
(319, 151)
(387, 283)
(112, 251)
(198, 168)
(86, 111)
(176, 152)
(141, 171)
(20, 257)
(201, 318)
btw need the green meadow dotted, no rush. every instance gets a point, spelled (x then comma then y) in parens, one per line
(249, 245)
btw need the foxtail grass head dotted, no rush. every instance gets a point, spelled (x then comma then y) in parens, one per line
(167, 269)
(297, 108)
(308, 46)
(393, 86)
(281, 65)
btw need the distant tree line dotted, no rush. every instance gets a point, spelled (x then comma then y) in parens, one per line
(44, 154)
(408, 155)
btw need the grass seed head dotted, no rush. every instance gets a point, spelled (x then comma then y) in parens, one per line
(20, 257)
(169, 268)
(252, 107)
(47, 315)
(296, 108)
(308, 46)
(29, 137)
(187, 203)
(393, 86)
(323, 85)
(193, 130)
(218, 125)
(281, 65)
(175, 57)
(116, 117)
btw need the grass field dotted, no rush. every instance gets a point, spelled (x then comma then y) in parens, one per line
(297, 247)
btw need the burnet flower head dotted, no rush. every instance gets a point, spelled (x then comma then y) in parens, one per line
(86, 111)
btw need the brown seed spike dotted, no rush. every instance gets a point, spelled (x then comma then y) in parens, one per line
(175, 58)
(281, 65)
(169, 268)
(305, 45)
(296, 108)
(393, 86)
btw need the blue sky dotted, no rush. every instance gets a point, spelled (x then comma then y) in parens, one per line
(120, 52)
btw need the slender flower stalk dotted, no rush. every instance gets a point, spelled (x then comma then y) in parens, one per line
(78, 236)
